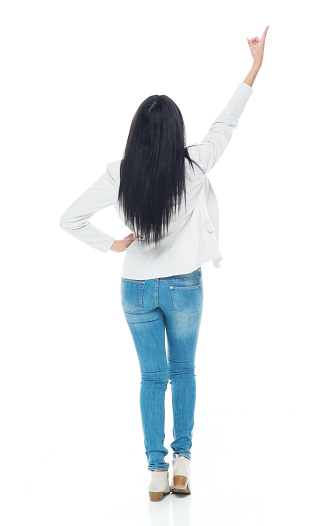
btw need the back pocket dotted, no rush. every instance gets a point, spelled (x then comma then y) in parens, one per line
(132, 294)
(186, 300)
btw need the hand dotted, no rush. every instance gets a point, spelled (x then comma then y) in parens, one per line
(120, 245)
(256, 46)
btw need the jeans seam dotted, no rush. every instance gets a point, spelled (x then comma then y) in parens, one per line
(176, 279)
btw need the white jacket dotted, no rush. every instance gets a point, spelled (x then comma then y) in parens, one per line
(192, 237)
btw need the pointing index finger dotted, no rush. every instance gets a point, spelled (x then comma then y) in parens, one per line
(265, 32)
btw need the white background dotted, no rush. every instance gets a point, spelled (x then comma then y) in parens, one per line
(73, 74)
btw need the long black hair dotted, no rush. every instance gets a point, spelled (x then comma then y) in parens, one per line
(152, 171)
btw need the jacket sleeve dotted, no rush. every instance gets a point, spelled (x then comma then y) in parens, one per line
(101, 194)
(210, 149)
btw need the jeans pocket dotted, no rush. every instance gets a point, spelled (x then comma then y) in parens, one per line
(132, 294)
(186, 300)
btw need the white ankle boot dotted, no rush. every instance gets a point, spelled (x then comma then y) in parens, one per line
(159, 485)
(181, 475)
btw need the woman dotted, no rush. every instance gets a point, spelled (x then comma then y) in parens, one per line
(161, 280)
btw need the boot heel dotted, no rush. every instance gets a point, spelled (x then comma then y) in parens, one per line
(180, 482)
(156, 496)
(159, 485)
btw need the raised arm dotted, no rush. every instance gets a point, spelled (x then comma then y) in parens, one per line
(212, 146)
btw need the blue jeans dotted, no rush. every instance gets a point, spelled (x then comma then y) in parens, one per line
(154, 308)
